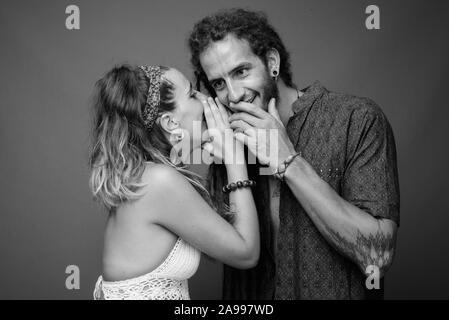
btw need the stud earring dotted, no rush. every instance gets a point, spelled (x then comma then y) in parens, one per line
(177, 135)
(180, 136)
(175, 156)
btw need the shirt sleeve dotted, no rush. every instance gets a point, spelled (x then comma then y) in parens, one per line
(370, 180)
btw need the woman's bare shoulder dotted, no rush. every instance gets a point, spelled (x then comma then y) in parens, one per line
(160, 174)
(161, 180)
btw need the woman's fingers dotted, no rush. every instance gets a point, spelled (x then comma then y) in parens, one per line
(210, 120)
(215, 112)
(208, 147)
(223, 111)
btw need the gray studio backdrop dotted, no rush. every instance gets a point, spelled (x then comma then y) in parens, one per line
(47, 217)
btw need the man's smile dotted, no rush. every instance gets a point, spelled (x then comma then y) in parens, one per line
(251, 100)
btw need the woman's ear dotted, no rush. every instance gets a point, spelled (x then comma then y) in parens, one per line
(168, 123)
(273, 62)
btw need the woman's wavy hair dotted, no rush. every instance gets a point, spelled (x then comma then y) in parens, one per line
(121, 144)
(249, 25)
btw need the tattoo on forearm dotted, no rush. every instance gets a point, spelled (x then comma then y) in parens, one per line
(376, 249)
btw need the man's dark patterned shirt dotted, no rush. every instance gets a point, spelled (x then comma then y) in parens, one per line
(350, 144)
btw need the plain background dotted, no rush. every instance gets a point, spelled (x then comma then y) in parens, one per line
(47, 217)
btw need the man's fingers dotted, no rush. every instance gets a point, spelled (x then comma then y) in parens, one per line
(241, 137)
(240, 125)
(248, 118)
(248, 108)
(273, 110)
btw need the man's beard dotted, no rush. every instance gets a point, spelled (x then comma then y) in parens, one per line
(269, 90)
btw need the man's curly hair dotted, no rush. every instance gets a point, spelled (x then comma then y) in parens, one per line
(244, 24)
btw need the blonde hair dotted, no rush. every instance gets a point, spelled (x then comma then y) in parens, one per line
(122, 146)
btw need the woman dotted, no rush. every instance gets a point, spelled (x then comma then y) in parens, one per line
(160, 215)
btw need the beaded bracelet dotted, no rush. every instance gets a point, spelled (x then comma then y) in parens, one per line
(237, 185)
(280, 171)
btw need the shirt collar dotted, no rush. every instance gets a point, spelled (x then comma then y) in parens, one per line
(311, 93)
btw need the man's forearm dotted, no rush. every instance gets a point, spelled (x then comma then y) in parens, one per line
(356, 234)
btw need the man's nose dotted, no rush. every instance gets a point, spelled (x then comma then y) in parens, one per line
(235, 93)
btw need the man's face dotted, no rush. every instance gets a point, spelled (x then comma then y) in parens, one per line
(236, 73)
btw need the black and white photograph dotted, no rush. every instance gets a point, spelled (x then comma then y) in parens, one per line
(224, 151)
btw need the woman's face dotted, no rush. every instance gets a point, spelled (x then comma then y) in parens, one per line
(189, 109)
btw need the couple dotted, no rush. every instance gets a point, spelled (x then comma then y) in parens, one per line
(315, 228)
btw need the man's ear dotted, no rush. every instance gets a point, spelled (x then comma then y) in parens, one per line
(273, 61)
(168, 122)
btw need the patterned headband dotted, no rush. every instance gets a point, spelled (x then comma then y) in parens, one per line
(151, 110)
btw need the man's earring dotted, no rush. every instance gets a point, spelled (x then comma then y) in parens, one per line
(275, 74)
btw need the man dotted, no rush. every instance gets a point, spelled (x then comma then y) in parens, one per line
(329, 217)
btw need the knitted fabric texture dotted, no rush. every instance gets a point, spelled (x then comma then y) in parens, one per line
(166, 282)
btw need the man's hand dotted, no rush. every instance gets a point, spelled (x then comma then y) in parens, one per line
(262, 132)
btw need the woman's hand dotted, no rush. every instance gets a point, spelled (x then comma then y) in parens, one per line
(223, 146)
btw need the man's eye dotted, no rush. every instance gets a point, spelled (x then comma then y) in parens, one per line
(218, 85)
(242, 72)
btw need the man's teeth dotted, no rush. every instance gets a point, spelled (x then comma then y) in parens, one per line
(251, 100)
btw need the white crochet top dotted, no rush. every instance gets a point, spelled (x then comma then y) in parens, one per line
(166, 282)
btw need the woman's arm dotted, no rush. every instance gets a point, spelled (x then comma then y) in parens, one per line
(184, 212)
(177, 206)
(242, 205)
